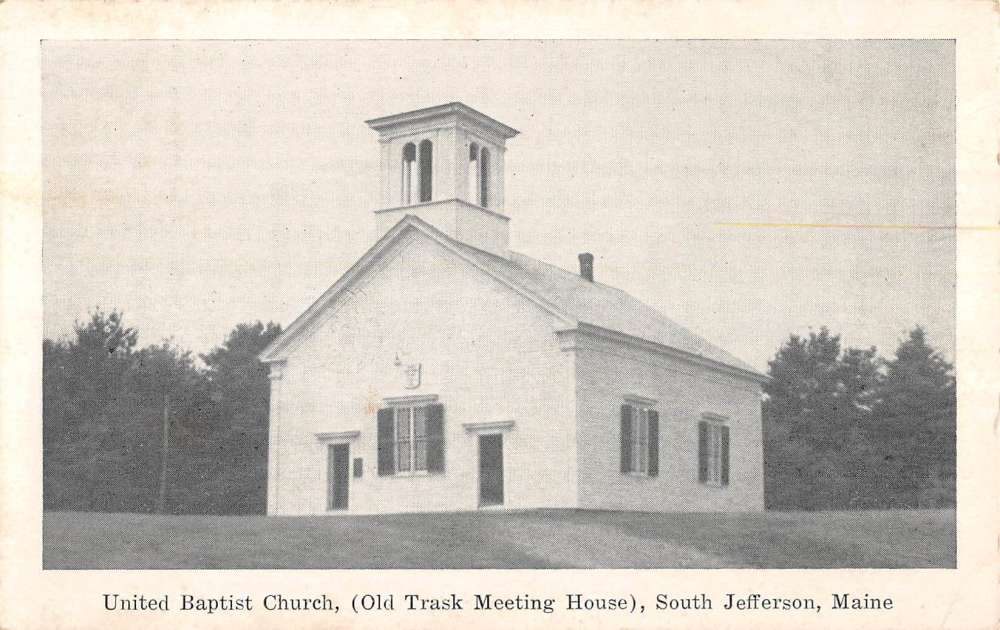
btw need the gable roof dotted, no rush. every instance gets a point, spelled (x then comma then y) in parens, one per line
(562, 293)
(603, 306)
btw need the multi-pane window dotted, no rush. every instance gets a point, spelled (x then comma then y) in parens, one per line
(713, 453)
(410, 438)
(640, 439)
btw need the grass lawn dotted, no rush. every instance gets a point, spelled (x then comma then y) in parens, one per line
(502, 540)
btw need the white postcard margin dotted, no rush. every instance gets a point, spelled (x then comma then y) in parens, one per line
(962, 598)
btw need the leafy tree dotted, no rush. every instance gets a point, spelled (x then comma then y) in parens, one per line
(918, 382)
(104, 402)
(861, 379)
(812, 385)
(238, 379)
(809, 409)
(916, 430)
(163, 380)
(82, 384)
(848, 429)
(241, 392)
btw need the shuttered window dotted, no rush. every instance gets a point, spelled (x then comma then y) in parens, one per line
(713, 453)
(411, 439)
(640, 440)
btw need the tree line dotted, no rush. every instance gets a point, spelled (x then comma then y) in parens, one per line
(106, 405)
(849, 429)
(130, 429)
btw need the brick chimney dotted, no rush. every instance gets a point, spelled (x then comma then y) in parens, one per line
(587, 266)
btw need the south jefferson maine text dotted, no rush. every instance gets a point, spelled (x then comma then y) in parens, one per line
(757, 601)
(370, 602)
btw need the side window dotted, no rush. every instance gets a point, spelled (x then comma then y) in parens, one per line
(640, 440)
(713, 453)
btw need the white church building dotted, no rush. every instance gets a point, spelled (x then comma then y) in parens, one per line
(445, 372)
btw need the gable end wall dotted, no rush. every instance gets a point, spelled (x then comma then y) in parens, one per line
(487, 353)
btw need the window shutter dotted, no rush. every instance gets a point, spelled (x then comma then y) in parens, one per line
(724, 474)
(703, 452)
(626, 438)
(435, 438)
(386, 464)
(654, 444)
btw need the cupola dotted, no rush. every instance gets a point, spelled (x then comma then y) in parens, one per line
(445, 164)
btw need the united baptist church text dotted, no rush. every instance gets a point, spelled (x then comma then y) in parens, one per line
(378, 602)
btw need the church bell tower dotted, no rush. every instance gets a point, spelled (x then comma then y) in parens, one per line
(445, 164)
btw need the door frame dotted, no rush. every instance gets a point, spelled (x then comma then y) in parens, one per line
(479, 471)
(330, 449)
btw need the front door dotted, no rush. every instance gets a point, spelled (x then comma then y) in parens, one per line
(491, 469)
(339, 461)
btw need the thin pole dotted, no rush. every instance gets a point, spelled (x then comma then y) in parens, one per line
(161, 501)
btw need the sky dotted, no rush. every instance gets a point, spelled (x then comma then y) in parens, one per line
(195, 185)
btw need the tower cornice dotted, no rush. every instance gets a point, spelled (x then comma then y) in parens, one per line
(396, 124)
